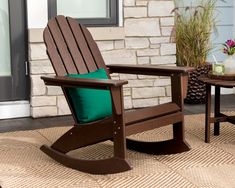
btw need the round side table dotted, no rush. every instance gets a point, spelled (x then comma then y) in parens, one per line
(218, 116)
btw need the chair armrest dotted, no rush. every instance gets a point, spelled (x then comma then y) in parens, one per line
(82, 82)
(149, 69)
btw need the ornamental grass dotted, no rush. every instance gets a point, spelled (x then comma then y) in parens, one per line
(192, 33)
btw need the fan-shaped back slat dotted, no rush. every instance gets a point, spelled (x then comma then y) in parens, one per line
(62, 47)
(82, 43)
(94, 48)
(56, 60)
(72, 45)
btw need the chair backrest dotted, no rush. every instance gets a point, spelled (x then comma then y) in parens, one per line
(71, 48)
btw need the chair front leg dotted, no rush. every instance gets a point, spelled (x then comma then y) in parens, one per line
(119, 137)
(179, 89)
(177, 92)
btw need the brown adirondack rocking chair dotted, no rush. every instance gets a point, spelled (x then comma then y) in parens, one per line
(71, 49)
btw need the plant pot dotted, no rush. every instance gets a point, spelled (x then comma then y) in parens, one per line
(196, 92)
(229, 65)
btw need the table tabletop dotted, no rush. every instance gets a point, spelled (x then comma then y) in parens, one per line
(218, 82)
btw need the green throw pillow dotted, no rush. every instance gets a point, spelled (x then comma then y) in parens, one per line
(90, 104)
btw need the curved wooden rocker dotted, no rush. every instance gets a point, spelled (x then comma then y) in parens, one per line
(103, 166)
(72, 49)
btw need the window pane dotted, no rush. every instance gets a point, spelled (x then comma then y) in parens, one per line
(5, 60)
(83, 8)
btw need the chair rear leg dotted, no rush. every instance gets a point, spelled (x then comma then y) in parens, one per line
(179, 137)
(175, 145)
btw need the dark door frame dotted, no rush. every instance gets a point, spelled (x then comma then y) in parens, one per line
(16, 86)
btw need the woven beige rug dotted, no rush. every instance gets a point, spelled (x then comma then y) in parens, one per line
(22, 164)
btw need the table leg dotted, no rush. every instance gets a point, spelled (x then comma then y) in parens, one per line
(208, 113)
(217, 110)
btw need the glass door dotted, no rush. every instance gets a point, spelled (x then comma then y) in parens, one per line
(5, 60)
(14, 80)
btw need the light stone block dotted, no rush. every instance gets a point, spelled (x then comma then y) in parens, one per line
(107, 33)
(155, 46)
(128, 102)
(128, 76)
(172, 38)
(163, 60)
(119, 44)
(126, 91)
(159, 40)
(41, 67)
(119, 57)
(140, 83)
(168, 91)
(167, 31)
(115, 78)
(35, 35)
(147, 77)
(37, 52)
(147, 92)
(148, 52)
(141, 3)
(105, 45)
(45, 111)
(168, 49)
(54, 90)
(167, 21)
(163, 100)
(141, 103)
(37, 85)
(114, 74)
(129, 2)
(160, 8)
(135, 12)
(63, 108)
(164, 77)
(136, 43)
(162, 82)
(43, 101)
(143, 60)
(142, 27)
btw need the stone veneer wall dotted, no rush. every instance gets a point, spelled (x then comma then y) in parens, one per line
(144, 39)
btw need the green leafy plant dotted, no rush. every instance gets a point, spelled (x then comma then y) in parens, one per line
(193, 29)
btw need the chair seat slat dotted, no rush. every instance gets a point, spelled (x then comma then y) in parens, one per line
(151, 112)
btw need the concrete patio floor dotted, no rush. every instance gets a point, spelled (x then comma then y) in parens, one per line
(227, 104)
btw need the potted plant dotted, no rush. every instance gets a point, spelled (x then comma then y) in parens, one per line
(193, 27)
(229, 63)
